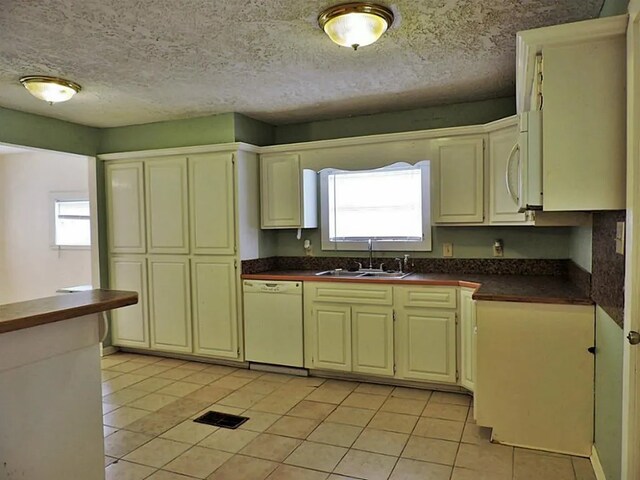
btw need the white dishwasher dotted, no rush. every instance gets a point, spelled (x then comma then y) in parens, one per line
(273, 322)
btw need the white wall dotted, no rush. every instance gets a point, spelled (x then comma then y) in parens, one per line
(29, 267)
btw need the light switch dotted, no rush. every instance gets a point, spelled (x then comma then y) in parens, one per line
(620, 238)
(447, 249)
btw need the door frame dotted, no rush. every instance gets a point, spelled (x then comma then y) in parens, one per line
(631, 370)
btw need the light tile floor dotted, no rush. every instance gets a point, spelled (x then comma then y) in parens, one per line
(299, 429)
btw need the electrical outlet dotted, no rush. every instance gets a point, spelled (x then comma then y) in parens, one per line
(620, 238)
(498, 248)
(447, 249)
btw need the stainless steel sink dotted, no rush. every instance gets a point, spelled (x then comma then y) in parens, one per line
(339, 273)
(386, 274)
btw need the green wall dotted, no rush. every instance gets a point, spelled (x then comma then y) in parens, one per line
(469, 113)
(580, 246)
(255, 132)
(174, 133)
(614, 7)
(468, 242)
(608, 394)
(29, 130)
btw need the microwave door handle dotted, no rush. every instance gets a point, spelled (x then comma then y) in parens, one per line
(513, 196)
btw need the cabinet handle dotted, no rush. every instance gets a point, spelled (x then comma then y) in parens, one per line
(515, 149)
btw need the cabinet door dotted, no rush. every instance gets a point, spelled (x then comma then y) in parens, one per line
(169, 304)
(215, 317)
(468, 336)
(212, 212)
(458, 179)
(167, 214)
(332, 337)
(427, 345)
(130, 325)
(503, 208)
(125, 207)
(280, 190)
(372, 329)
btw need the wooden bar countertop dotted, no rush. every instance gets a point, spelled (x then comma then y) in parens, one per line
(499, 288)
(32, 313)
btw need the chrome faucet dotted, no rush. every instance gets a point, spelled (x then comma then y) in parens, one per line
(370, 247)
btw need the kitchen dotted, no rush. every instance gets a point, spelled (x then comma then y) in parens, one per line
(193, 211)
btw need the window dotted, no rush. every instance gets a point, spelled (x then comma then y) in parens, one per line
(71, 220)
(389, 205)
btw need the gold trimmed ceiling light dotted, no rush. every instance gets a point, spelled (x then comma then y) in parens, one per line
(50, 89)
(355, 24)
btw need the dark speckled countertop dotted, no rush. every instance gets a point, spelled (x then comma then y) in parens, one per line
(503, 288)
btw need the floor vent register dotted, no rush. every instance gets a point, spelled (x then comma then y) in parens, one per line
(222, 420)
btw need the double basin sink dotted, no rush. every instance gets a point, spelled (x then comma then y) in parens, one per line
(340, 273)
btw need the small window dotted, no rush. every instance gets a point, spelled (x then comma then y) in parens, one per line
(389, 205)
(71, 221)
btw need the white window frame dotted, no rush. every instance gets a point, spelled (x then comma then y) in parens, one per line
(425, 245)
(66, 197)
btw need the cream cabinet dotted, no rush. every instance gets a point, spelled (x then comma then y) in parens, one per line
(534, 384)
(215, 311)
(330, 331)
(125, 207)
(503, 162)
(372, 340)
(458, 179)
(212, 212)
(288, 194)
(349, 327)
(170, 303)
(426, 333)
(130, 325)
(167, 205)
(468, 339)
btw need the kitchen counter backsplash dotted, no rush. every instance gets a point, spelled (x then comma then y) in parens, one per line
(484, 266)
(579, 277)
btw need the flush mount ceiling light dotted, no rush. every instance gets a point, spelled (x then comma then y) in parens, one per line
(50, 89)
(355, 24)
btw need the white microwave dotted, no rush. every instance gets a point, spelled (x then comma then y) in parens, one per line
(524, 167)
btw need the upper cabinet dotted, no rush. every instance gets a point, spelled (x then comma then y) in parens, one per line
(212, 213)
(288, 193)
(167, 205)
(503, 164)
(125, 207)
(573, 76)
(458, 179)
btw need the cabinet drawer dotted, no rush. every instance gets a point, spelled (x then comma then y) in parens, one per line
(352, 293)
(431, 297)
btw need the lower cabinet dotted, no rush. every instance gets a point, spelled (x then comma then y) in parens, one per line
(426, 337)
(399, 336)
(215, 311)
(185, 305)
(130, 325)
(344, 332)
(170, 303)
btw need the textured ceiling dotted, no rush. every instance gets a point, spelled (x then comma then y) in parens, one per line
(149, 60)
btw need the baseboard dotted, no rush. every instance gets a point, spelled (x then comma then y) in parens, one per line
(597, 466)
(104, 351)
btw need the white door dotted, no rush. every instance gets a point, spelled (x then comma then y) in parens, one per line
(130, 325)
(332, 337)
(280, 190)
(503, 160)
(170, 303)
(458, 179)
(215, 307)
(372, 331)
(212, 213)
(631, 385)
(468, 339)
(167, 212)
(125, 207)
(427, 345)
